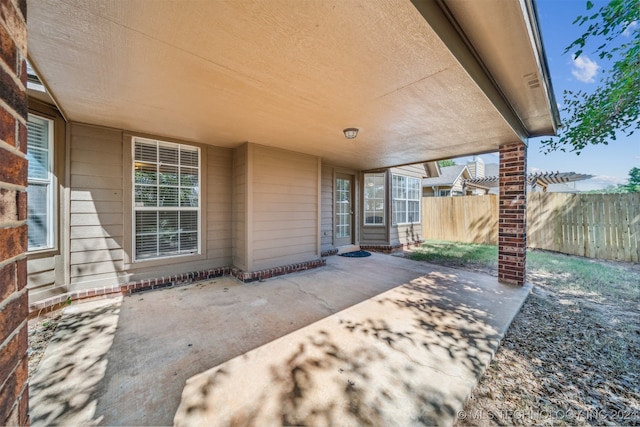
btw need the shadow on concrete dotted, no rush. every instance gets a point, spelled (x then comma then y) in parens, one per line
(64, 389)
(343, 344)
(409, 356)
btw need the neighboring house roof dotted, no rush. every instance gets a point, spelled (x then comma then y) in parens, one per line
(448, 176)
(538, 178)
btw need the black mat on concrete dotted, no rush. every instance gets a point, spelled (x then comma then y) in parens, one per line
(356, 254)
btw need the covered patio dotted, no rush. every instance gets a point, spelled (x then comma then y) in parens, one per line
(380, 340)
(164, 141)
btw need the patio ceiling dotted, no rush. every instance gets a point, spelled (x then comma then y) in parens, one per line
(422, 81)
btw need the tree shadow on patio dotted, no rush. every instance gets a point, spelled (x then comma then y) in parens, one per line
(63, 389)
(409, 356)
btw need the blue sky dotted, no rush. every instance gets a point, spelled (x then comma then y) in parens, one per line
(611, 163)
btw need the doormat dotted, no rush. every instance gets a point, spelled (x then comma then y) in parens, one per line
(356, 254)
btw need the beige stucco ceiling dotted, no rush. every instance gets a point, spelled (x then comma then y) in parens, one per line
(292, 74)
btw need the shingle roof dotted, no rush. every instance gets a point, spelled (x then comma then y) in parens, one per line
(448, 176)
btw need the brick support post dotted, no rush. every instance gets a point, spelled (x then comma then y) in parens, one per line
(512, 216)
(14, 399)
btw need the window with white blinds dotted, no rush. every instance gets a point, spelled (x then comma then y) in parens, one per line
(166, 199)
(40, 192)
(406, 199)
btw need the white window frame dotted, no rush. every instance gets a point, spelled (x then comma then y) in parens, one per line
(444, 193)
(138, 208)
(408, 183)
(376, 211)
(49, 183)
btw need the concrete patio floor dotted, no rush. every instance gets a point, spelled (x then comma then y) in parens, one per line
(363, 341)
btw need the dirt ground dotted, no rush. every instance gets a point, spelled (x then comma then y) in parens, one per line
(567, 359)
(41, 329)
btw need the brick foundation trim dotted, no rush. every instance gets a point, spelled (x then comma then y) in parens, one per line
(59, 301)
(386, 249)
(268, 273)
(329, 252)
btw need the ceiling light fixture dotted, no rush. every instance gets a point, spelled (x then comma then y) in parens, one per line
(350, 133)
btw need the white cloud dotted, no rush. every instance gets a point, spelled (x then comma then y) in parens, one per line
(630, 28)
(600, 182)
(584, 69)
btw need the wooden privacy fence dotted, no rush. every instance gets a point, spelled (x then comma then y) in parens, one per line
(605, 226)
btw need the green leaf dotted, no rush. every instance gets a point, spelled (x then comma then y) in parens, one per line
(589, 5)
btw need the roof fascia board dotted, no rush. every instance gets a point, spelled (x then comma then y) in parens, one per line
(442, 21)
(530, 12)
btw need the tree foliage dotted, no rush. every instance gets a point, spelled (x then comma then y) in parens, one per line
(633, 185)
(445, 163)
(614, 106)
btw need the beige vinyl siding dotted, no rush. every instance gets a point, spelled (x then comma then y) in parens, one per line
(326, 204)
(239, 207)
(219, 207)
(374, 235)
(285, 207)
(407, 233)
(416, 170)
(96, 207)
(45, 277)
(427, 192)
(100, 217)
(457, 187)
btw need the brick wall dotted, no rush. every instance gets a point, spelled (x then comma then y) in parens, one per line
(512, 214)
(14, 403)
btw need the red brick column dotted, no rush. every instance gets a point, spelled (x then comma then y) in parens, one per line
(14, 399)
(512, 216)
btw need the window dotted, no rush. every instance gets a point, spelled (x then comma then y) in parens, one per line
(406, 199)
(40, 191)
(374, 195)
(445, 193)
(166, 213)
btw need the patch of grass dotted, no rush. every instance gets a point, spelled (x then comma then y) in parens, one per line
(571, 273)
(456, 253)
(605, 279)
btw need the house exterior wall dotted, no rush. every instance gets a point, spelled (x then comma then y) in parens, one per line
(96, 214)
(219, 240)
(327, 208)
(456, 188)
(378, 234)
(240, 207)
(286, 211)
(428, 192)
(45, 269)
(100, 214)
(406, 234)
(392, 235)
(14, 390)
